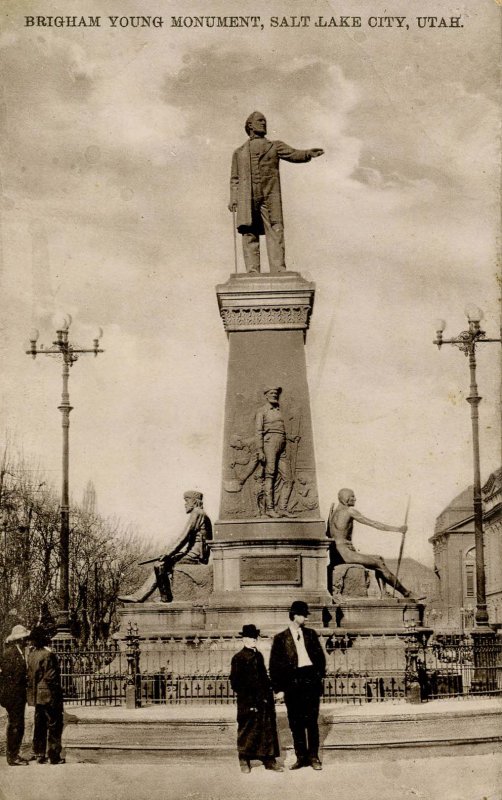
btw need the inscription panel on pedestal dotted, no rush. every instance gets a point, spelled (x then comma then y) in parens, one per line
(274, 570)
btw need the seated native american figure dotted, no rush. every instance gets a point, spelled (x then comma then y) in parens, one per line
(342, 551)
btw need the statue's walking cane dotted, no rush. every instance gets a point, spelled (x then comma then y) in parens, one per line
(401, 548)
(235, 238)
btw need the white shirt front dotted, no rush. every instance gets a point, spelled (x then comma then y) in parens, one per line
(303, 656)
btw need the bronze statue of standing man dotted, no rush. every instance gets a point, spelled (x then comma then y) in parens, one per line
(255, 192)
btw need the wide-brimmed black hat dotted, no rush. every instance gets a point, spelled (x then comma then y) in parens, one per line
(39, 636)
(250, 631)
(300, 608)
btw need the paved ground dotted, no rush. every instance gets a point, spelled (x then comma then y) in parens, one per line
(446, 773)
(365, 711)
(445, 778)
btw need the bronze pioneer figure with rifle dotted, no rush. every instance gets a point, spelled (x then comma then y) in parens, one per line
(190, 548)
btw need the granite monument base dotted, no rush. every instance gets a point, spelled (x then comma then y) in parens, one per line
(224, 613)
(376, 615)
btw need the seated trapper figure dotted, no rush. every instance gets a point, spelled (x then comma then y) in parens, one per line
(190, 548)
(340, 529)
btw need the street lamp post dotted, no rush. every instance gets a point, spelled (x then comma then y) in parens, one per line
(466, 341)
(68, 353)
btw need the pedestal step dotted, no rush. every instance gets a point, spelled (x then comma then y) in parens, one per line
(213, 730)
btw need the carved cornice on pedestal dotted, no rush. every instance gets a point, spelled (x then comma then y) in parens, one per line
(266, 302)
(263, 318)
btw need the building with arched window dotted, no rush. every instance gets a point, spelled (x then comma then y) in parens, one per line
(454, 602)
(454, 565)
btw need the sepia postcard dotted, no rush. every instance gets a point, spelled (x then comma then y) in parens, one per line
(119, 119)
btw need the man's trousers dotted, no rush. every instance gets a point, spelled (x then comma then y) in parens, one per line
(302, 702)
(15, 728)
(48, 731)
(274, 235)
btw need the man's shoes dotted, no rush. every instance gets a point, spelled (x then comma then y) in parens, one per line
(59, 761)
(17, 762)
(42, 760)
(299, 764)
(315, 763)
(245, 766)
(274, 766)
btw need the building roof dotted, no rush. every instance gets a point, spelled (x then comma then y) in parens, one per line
(493, 485)
(492, 497)
(460, 510)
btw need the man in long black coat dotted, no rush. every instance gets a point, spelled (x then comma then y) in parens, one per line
(256, 724)
(297, 667)
(13, 692)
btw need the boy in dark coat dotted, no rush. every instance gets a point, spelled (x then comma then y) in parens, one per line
(256, 725)
(46, 694)
(13, 692)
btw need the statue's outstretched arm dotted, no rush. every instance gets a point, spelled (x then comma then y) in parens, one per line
(381, 526)
(288, 153)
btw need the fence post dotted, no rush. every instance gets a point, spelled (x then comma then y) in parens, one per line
(133, 697)
(413, 689)
(485, 661)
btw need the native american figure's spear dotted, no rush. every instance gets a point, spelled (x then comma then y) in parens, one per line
(401, 548)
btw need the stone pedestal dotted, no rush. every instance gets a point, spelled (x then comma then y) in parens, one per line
(266, 318)
(350, 580)
(376, 616)
(163, 620)
(262, 563)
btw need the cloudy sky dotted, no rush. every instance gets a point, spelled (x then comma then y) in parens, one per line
(116, 151)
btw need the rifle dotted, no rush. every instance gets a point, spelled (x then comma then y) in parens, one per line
(151, 560)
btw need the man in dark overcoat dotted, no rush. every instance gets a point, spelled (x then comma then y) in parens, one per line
(256, 725)
(297, 668)
(46, 694)
(13, 692)
(255, 192)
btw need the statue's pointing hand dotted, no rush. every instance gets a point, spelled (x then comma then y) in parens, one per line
(315, 152)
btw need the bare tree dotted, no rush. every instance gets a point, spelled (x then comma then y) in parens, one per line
(103, 553)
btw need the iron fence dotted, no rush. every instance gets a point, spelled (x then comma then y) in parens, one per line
(187, 670)
(165, 688)
(94, 676)
(457, 666)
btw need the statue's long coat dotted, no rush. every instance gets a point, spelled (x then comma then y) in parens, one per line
(256, 723)
(240, 180)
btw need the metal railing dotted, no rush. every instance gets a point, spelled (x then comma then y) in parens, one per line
(456, 666)
(187, 670)
(92, 676)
